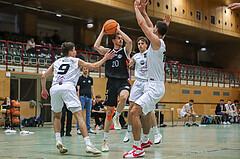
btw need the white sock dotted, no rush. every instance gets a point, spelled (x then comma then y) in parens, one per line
(129, 128)
(155, 129)
(117, 114)
(58, 136)
(106, 136)
(145, 138)
(137, 143)
(87, 140)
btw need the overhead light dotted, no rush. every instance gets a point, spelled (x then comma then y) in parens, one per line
(187, 41)
(90, 25)
(203, 49)
(59, 15)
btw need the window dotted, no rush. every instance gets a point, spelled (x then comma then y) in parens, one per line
(226, 94)
(212, 19)
(191, 13)
(185, 91)
(197, 92)
(198, 15)
(205, 17)
(158, 4)
(216, 93)
(175, 9)
(166, 6)
(183, 11)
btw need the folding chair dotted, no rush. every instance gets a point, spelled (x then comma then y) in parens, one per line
(179, 115)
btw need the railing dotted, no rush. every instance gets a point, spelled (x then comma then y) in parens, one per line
(196, 75)
(14, 55)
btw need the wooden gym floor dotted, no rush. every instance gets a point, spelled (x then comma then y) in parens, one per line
(212, 141)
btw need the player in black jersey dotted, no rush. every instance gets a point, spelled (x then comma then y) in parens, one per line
(116, 71)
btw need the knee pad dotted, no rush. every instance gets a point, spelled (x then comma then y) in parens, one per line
(110, 117)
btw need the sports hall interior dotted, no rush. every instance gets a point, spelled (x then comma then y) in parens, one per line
(202, 63)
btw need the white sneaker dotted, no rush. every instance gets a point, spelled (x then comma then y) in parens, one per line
(127, 136)
(157, 138)
(98, 127)
(228, 123)
(79, 132)
(90, 131)
(92, 149)
(135, 152)
(116, 123)
(60, 147)
(105, 147)
(224, 123)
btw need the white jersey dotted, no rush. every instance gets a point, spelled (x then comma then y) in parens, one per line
(155, 63)
(184, 111)
(66, 70)
(141, 65)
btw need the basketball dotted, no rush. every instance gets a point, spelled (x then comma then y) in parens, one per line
(16, 112)
(110, 26)
(15, 121)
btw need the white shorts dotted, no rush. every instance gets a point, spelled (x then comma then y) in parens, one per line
(65, 93)
(153, 92)
(137, 90)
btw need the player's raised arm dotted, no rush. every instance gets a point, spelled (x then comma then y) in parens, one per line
(142, 9)
(101, 49)
(148, 31)
(95, 65)
(126, 39)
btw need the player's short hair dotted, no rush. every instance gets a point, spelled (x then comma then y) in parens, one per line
(221, 100)
(191, 100)
(98, 96)
(66, 47)
(142, 38)
(229, 100)
(114, 35)
(236, 101)
(162, 28)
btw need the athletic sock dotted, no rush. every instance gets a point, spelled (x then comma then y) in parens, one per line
(106, 136)
(129, 128)
(155, 129)
(145, 138)
(117, 114)
(87, 140)
(58, 136)
(137, 143)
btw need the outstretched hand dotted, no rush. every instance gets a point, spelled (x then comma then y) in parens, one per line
(44, 94)
(234, 6)
(142, 6)
(109, 55)
(167, 19)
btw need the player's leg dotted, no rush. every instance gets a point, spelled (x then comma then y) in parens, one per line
(187, 115)
(108, 121)
(57, 105)
(137, 150)
(146, 124)
(157, 135)
(73, 104)
(122, 103)
(194, 118)
(129, 130)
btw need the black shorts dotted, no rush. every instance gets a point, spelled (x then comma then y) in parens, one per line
(114, 87)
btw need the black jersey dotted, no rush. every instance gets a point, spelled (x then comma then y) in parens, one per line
(117, 67)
